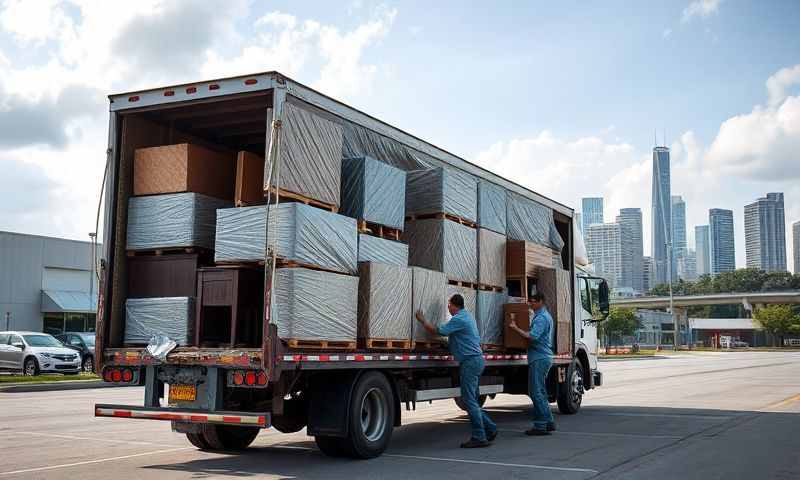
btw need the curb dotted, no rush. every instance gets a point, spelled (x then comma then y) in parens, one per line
(56, 386)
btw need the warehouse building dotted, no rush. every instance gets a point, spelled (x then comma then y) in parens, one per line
(46, 284)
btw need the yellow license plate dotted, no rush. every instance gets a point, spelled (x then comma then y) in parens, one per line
(186, 393)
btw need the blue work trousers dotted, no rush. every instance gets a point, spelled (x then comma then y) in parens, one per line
(537, 389)
(470, 370)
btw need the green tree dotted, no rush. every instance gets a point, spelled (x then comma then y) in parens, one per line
(620, 322)
(777, 281)
(778, 320)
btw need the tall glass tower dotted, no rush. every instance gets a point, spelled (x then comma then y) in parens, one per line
(592, 212)
(662, 216)
(630, 222)
(703, 249)
(720, 229)
(765, 233)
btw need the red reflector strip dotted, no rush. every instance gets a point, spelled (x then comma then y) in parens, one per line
(213, 86)
(134, 98)
(191, 90)
(122, 413)
(250, 81)
(169, 93)
(232, 419)
(255, 420)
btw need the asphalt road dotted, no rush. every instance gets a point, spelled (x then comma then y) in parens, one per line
(703, 416)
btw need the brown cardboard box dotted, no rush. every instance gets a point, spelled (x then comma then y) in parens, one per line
(184, 167)
(525, 258)
(249, 179)
(518, 312)
(556, 286)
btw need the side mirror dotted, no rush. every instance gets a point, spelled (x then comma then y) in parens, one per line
(19, 345)
(604, 301)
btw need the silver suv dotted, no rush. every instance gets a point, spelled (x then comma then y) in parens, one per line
(34, 352)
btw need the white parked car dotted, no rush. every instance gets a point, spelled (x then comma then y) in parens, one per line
(33, 353)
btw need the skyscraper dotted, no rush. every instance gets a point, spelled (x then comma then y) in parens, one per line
(630, 222)
(687, 266)
(702, 249)
(662, 215)
(720, 231)
(678, 225)
(647, 274)
(765, 233)
(796, 245)
(604, 247)
(592, 212)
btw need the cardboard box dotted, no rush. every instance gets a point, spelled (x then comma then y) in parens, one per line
(184, 167)
(520, 314)
(526, 258)
(249, 188)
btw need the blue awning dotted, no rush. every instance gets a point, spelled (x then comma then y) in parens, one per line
(68, 301)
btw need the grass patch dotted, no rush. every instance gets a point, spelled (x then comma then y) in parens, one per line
(50, 378)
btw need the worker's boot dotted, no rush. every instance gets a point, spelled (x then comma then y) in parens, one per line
(551, 426)
(475, 443)
(535, 432)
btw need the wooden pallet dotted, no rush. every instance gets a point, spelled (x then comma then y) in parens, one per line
(459, 283)
(166, 251)
(281, 263)
(490, 288)
(321, 344)
(388, 344)
(442, 216)
(377, 230)
(286, 195)
(241, 203)
(429, 346)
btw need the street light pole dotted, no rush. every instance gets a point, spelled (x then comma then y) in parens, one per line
(93, 260)
(675, 332)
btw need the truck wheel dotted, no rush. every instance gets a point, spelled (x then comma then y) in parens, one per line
(198, 441)
(294, 418)
(570, 393)
(227, 438)
(371, 419)
(462, 406)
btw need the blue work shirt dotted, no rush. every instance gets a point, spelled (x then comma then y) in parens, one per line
(463, 335)
(541, 345)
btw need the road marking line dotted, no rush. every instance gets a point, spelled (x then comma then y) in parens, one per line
(105, 440)
(494, 464)
(461, 460)
(664, 415)
(90, 462)
(783, 402)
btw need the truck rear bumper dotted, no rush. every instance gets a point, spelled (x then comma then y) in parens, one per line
(186, 415)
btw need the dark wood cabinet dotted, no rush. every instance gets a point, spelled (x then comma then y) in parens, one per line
(163, 275)
(229, 306)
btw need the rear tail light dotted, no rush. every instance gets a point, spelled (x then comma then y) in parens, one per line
(169, 93)
(191, 90)
(247, 378)
(213, 86)
(118, 375)
(134, 98)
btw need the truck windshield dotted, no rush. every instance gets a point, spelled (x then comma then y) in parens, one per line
(41, 341)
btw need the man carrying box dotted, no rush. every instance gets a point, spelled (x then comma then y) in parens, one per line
(540, 359)
(465, 345)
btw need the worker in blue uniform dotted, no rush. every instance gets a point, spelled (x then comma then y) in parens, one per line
(540, 359)
(465, 345)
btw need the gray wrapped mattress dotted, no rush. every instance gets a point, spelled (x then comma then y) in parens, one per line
(373, 191)
(491, 258)
(469, 294)
(530, 221)
(441, 190)
(490, 316)
(443, 245)
(381, 250)
(172, 221)
(315, 305)
(170, 316)
(428, 295)
(384, 301)
(491, 206)
(301, 233)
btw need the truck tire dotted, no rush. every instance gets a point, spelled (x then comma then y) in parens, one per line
(370, 420)
(294, 417)
(570, 393)
(460, 402)
(225, 437)
(198, 440)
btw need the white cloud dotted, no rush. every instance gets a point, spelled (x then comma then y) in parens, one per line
(34, 21)
(779, 83)
(666, 33)
(700, 8)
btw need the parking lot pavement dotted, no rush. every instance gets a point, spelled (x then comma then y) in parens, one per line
(732, 415)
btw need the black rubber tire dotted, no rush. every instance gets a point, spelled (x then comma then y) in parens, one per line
(294, 417)
(226, 438)
(88, 360)
(332, 446)
(372, 394)
(460, 403)
(198, 440)
(570, 393)
(25, 367)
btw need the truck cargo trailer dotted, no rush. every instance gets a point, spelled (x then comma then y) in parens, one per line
(227, 366)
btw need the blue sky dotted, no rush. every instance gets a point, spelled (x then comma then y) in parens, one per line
(563, 97)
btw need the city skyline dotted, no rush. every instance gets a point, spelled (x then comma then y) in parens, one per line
(765, 233)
